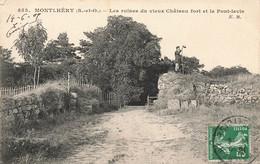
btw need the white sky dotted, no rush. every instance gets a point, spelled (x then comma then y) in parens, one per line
(212, 38)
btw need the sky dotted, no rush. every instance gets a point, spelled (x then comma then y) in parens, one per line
(213, 38)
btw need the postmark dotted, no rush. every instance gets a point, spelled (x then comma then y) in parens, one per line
(231, 140)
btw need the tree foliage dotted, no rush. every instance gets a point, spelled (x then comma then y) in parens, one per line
(121, 56)
(5, 55)
(84, 47)
(220, 71)
(7, 69)
(51, 51)
(191, 64)
(30, 45)
(60, 48)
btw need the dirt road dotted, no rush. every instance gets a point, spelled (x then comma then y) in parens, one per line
(137, 136)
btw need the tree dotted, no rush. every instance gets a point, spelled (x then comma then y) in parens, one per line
(7, 69)
(60, 48)
(120, 56)
(191, 64)
(220, 71)
(166, 65)
(30, 45)
(51, 51)
(24, 75)
(84, 47)
(66, 49)
(5, 55)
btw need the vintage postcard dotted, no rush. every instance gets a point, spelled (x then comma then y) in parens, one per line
(120, 81)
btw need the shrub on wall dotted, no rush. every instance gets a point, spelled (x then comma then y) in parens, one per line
(49, 100)
(87, 97)
(54, 101)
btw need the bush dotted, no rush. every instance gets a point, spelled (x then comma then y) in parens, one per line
(16, 150)
(83, 105)
(54, 101)
(88, 96)
(49, 100)
(105, 107)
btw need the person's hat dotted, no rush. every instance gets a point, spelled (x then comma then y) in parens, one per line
(177, 47)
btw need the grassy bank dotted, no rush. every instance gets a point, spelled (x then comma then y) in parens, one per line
(194, 121)
(54, 139)
(31, 138)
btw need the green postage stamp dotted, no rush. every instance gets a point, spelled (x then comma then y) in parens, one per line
(228, 142)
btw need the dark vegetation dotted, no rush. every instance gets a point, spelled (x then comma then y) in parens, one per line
(219, 71)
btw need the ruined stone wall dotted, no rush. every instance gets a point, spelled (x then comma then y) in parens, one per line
(228, 94)
(24, 109)
(177, 91)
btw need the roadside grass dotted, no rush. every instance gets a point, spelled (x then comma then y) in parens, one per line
(241, 80)
(56, 138)
(194, 122)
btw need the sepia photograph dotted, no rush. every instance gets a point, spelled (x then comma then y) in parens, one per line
(135, 82)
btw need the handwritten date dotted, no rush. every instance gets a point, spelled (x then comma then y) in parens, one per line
(19, 22)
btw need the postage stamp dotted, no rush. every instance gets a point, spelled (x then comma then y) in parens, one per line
(235, 138)
(229, 142)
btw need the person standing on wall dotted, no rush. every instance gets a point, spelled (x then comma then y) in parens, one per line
(178, 59)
